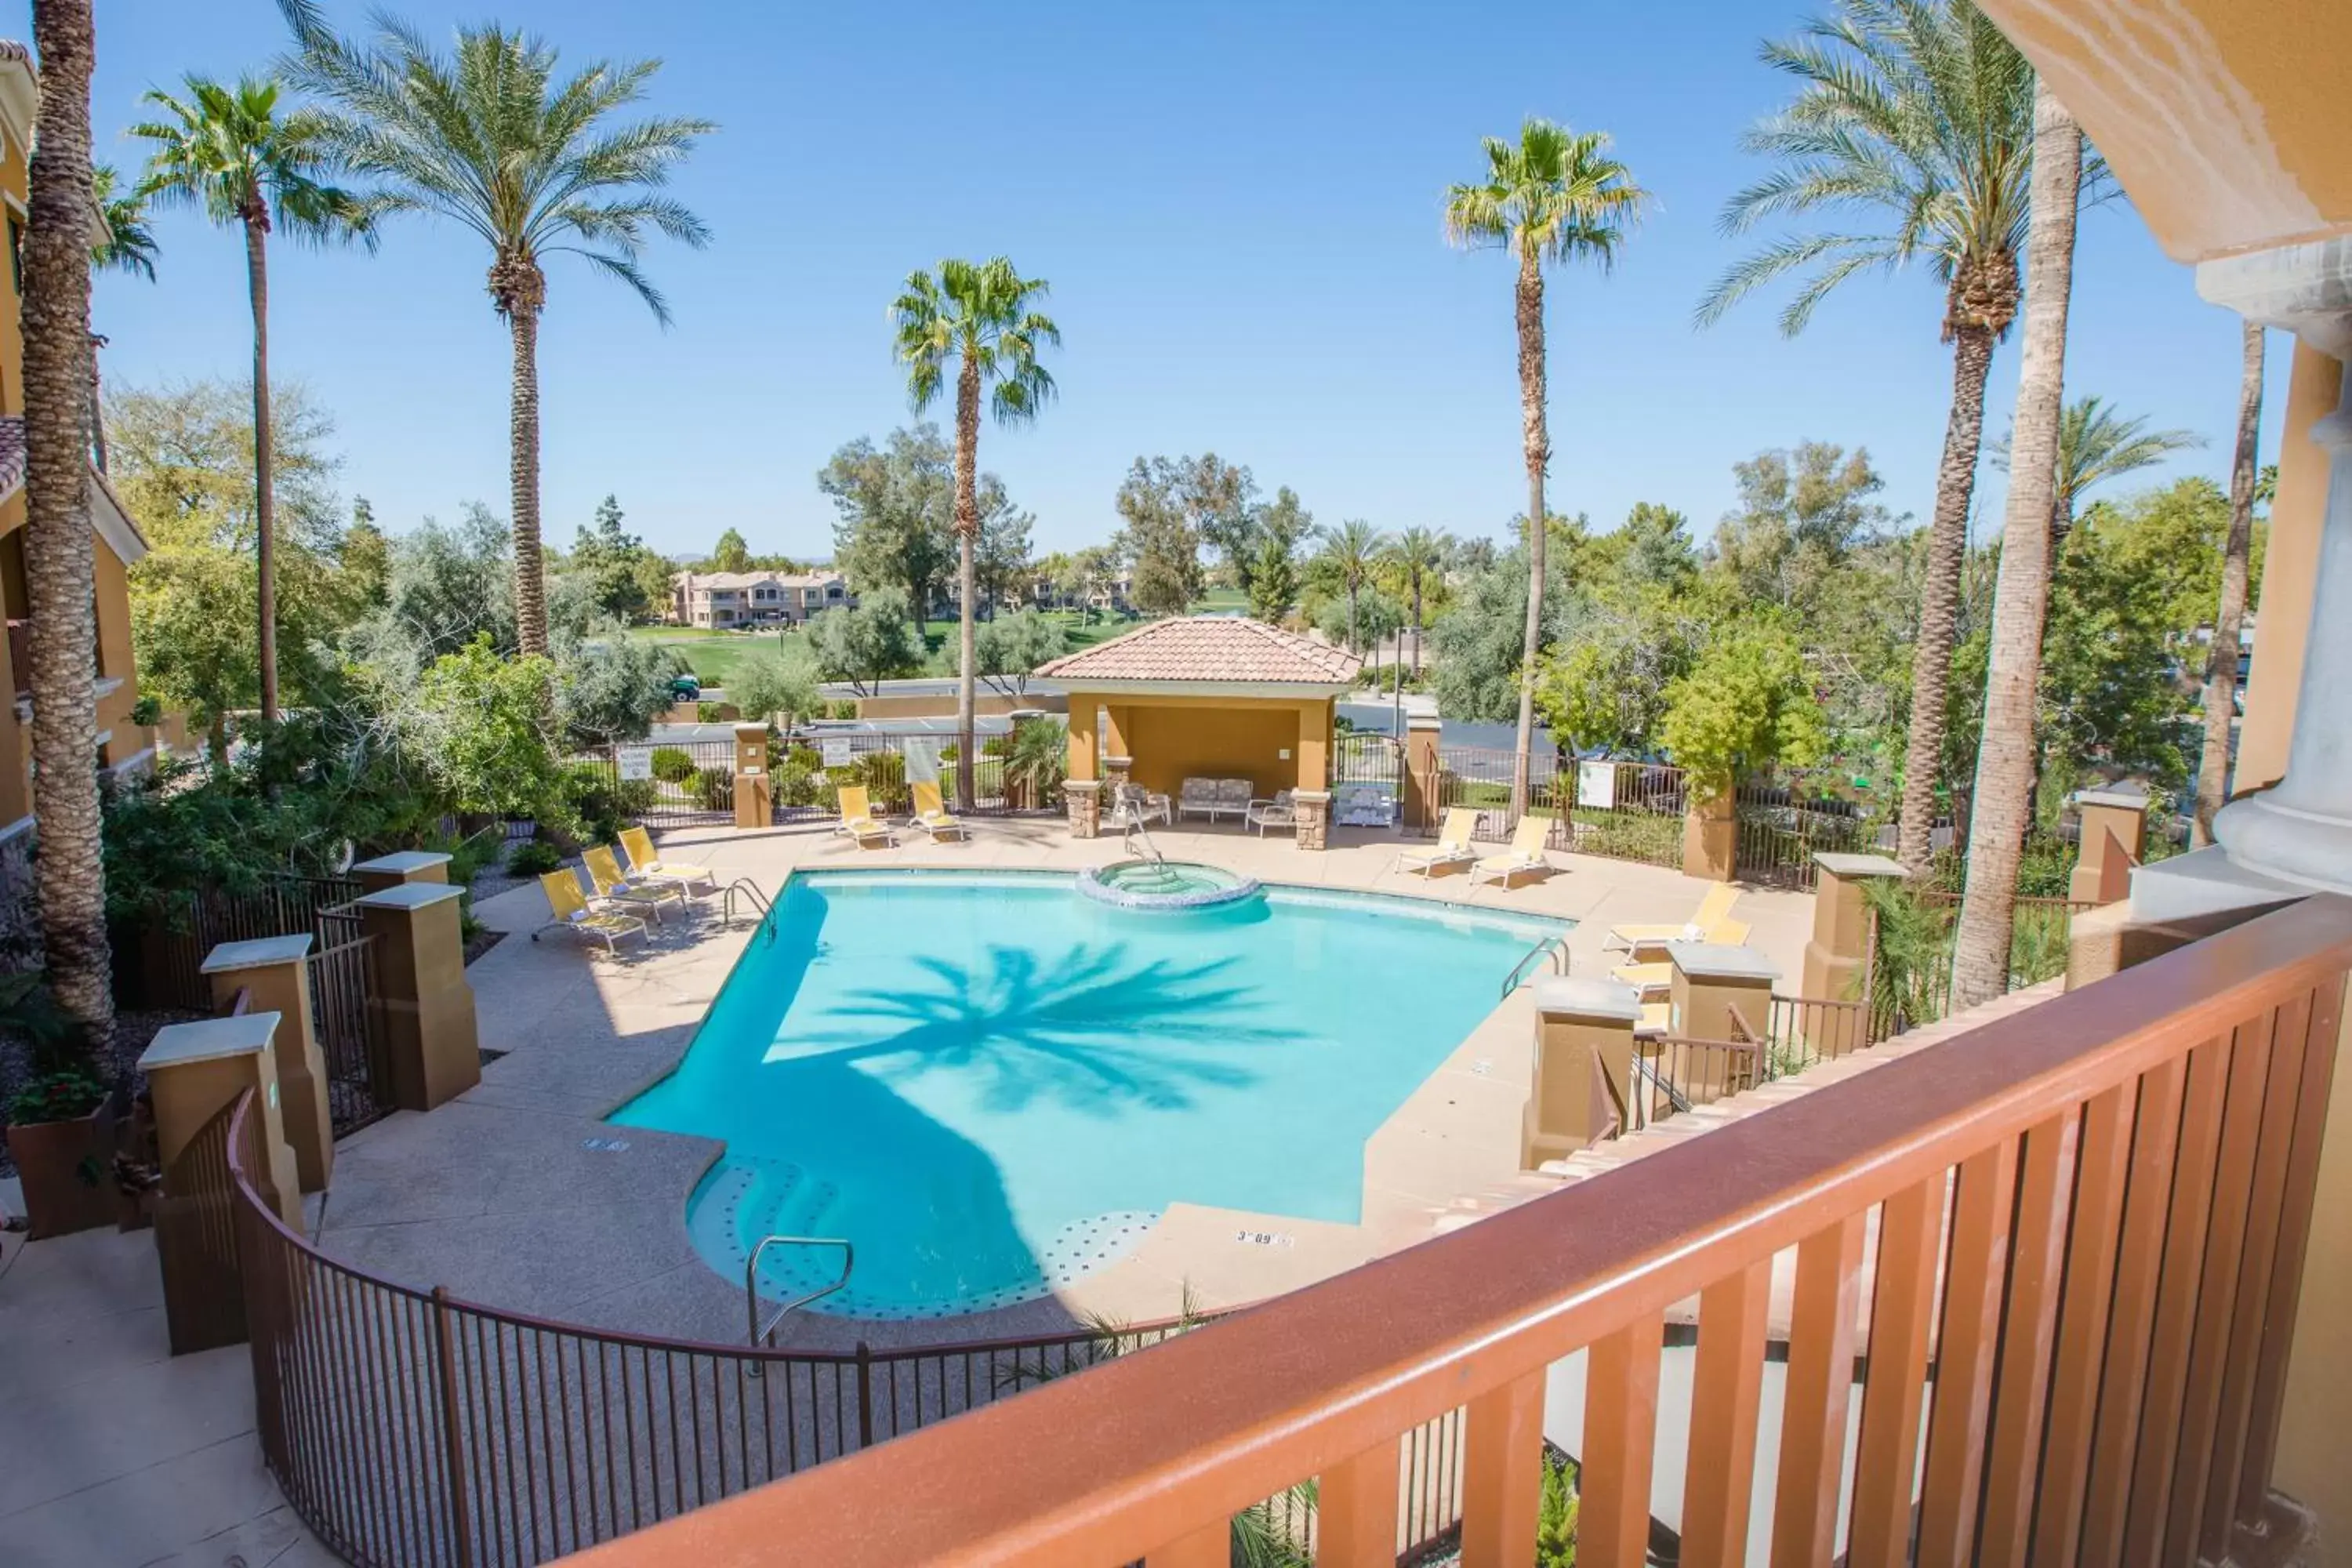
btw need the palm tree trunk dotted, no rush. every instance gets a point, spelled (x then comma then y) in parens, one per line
(2222, 668)
(2003, 808)
(1536, 441)
(522, 473)
(264, 499)
(967, 526)
(1939, 594)
(58, 541)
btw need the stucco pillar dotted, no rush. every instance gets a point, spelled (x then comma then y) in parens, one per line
(1084, 798)
(275, 974)
(1711, 836)
(1583, 1067)
(1314, 748)
(1420, 807)
(2301, 831)
(1086, 745)
(1840, 939)
(2113, 828)
(193, 1071)
(407, 866)
(1711, 980)
(2290, 565)
(423, 1007)
(754, 806)
(1313, 808)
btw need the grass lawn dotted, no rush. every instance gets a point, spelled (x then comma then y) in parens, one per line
(714, 655)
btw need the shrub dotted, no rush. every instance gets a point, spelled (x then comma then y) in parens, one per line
(673, 764)
(713, 712)
(795, 782)
(845, 710)
(57, 1097)
(885, 774)
(602, 805)
(533, 858)
(1036, 761)
(714, 789)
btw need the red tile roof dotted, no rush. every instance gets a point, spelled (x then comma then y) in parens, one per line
(1209, 648)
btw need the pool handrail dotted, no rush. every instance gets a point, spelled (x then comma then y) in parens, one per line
(1555, 946)
(751, 1281)
(751, 889)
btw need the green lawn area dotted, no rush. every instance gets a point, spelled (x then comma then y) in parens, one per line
(713, 655)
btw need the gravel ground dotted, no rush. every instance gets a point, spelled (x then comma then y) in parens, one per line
(131, 1033)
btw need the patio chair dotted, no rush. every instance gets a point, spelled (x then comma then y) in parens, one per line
(647, 866)
(1277, 812)
(858, 821)
(1453, 846)
(568, 911)
(931, 813)
(1136, 806)
(1524, 854)
(1659, 974)
(1234, 798)
(1709, 924)
(617, 890)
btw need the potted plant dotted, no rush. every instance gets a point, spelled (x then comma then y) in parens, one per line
(61, 1126)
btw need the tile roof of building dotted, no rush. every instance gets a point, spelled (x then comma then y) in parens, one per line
(107, 513)
(1209, 648)
(723, 581)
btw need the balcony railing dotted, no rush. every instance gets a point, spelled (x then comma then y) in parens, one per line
(2089, 1221)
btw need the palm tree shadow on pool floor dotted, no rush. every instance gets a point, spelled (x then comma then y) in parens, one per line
(1094, 1031)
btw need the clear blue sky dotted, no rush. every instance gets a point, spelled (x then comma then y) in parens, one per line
(1237, 205)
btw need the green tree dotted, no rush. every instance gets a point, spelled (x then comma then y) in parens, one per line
(227, 150)
(1011, 646)
(2096, 444)
(1802, 513)
(896, 506)
(1000, 557)
(983, 317)
(1655, 545)
(1273, 580)
(2009, 756)
(869, 644)
(1419, 556)
(609, 687)
(1479, 643)
(1915, 118)
(2229, 617)
(1351, 551)
(1603, 690)
(730, 554)
(489, 140)
(482, 724)
(127, 248)
(1217, 498)
(1553, 196)
(768, 684)
(1745, 708)
(1159, 539)
(610, 560)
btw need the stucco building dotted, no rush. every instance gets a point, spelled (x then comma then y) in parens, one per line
(755, 598)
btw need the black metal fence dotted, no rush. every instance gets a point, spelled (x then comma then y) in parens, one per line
(159, 960)
(1785, 822)
(677, 784)
(343, 982)
(1624, 810)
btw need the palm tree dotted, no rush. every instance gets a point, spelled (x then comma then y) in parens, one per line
(490, 140)
(228, 150)
(2222, 664)
(59, 564)
(1916, 118)
(983, 316)
(128, 247)
(2007, 756)
(1354, 548)
(1553, 196)
(1418, 552)
(2096, 444)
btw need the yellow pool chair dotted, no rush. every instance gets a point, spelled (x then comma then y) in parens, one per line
(618, 891)
(648, 867)
(931, 813)
(568, 909)
(858, 821)
(1526, 854)
(1453, 846)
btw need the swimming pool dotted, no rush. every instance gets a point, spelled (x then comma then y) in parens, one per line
(993, 1086)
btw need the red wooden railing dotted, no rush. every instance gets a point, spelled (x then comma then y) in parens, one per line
(2090, 1221)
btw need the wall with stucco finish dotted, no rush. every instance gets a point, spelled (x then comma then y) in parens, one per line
(2282, 621)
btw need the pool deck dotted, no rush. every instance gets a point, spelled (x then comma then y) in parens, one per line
(518, 1195)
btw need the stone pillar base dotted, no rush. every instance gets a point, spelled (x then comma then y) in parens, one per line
(1314, 816)
(1084, 799)
(1584, 1067)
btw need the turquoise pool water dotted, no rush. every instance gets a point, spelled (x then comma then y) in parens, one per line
(991, 1086)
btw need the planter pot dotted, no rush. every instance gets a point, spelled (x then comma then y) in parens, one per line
(66, 1169)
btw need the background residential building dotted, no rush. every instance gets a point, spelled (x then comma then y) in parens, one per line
(755, 598)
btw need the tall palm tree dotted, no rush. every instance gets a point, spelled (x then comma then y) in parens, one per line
(490, 140)
(2096, 444)
(1418, 552)
(1553, 196)
(1915, 119)
(2008, 756)
(128, 247)
(983, 316)
(228, 151)
(2222, 664)
(1353, 548)
(59, 565)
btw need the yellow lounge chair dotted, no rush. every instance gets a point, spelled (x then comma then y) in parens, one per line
(857, 818)
(1453, 846)
(647, 866)
(568, 911)
(932, 813)
(618, 891)
(1705, 925)
(1644, 977)
(1526, 853)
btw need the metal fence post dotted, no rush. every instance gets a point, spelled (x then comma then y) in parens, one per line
(445, 1354)
(865, 1395)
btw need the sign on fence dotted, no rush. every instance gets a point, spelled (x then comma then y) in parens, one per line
(837, 755)
(637, 763)
(1596, 785)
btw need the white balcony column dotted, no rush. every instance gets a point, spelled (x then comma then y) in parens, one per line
(2296, 837)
